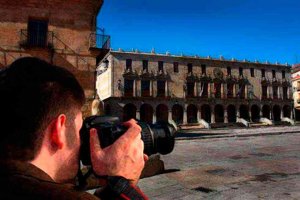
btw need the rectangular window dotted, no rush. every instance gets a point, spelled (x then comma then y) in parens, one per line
(241, 71)
(264, 92)
(128, 88)
(203, 69)
(145, 87)
(228, 71)
(37, 33)
(129, 64)
(175, 64)
(283, 74)
(263, 73)
(190, 68)
(161, 88)
(273, 74)
(252, 72)
(145, 65)
(160, 66)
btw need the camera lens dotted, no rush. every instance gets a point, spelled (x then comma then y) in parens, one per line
(157, 138)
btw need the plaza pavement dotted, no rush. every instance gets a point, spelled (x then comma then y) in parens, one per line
(253, 163)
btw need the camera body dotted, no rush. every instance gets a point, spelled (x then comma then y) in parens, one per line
(157, 138)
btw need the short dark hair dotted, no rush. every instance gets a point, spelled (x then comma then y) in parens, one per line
(33, 92)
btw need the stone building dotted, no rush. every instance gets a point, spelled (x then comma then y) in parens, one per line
(62, 32)
(153, 87)
(296, 89)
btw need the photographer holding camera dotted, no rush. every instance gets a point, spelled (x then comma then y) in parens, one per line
(40, 118)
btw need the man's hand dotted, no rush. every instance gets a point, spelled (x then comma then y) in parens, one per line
(124, 157)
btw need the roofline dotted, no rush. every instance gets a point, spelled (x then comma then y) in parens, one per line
(198, 58)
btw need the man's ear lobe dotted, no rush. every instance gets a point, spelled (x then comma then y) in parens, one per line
(58, 127)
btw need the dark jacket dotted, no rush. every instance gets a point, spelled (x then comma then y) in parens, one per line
(22, 180)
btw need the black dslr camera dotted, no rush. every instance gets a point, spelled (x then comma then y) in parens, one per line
(157, 138)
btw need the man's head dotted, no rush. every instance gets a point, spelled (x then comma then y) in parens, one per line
(35, 93)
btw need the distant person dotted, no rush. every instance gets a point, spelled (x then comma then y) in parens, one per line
(40, 116)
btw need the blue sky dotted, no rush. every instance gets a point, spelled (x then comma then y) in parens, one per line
(242, 29)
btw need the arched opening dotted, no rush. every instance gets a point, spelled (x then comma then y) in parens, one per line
(146, 113)
(177, 113)
(244, 112)
(276, 113)
(219, 114)
(192, 114)
(266, 111)
(206, 113)
(231, 112)
(162, 113)
(129, 112)
(287, 111)
(255, 113)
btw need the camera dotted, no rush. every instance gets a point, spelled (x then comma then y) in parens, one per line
(157, 138)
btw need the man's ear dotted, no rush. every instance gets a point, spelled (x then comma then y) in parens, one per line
(57, 131)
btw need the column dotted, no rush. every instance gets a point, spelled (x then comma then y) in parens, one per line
(134, 88)
(137, 115)
(154, 116)
(222, 91)
(212, 90)
(278, 92)
(271, 113)
(170, 115)
(234, 90)
(213, 119)
(166, 89)
(185, 116)
(293, 114)
(268, 91)
(195, 89)
(238, 113)
(151, 88)
(208, 90)
(246, 91)
(154, 89)
(288, 92)
(281, 113)
(225, 116)
(138, 88)
(199, 115)
(250, 116)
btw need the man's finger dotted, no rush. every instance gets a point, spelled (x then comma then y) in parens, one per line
(133, 131)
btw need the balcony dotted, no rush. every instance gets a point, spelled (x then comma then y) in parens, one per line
(39, 39)
(99, 41)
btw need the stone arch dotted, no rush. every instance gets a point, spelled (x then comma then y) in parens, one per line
(162, 112)
(276, 113)
(231, 112)
(219, 113)
(192, 111)
(129, 112)
(206, 113)
(146, 113)
(177, 113)
(287, 111)
(266, 111)
(255, 112)
(244, 112)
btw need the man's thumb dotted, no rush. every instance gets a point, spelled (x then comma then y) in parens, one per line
(94, 142)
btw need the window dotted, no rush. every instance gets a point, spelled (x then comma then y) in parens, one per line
(263, 73)
(128, 88)
(161, 88)
(228, 71)
(128, 64)
(252, 72)
(241, 71)
(264, 92)
(283, 74)
(190, 89)
(203, 69)
(145, 87)
(204, 90)
(217, 90)
(37, 33)
(175, 64)
(273, 74)
(275, 92)
(285, 92)
(160, 66)
(230, 90)
(190, 68)
(145, 65)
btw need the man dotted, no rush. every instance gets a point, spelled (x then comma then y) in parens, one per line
(40, 116)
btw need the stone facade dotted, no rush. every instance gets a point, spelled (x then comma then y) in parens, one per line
(296, 89)
(153, 87)
(61, 32)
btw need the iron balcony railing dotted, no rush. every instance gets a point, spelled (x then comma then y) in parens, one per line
(99, 41)
(36, 39)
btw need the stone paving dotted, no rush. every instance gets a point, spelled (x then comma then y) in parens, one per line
(252, 167)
